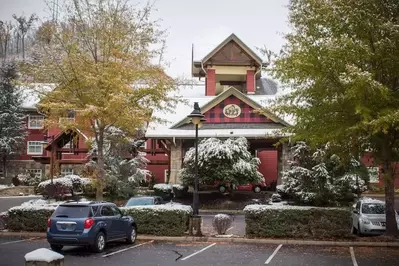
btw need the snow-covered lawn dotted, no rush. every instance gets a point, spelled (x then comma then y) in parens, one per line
(5, 186)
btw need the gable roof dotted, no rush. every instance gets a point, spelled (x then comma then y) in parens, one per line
(225, 94)
(240, 43)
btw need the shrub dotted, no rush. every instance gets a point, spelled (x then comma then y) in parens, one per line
(3, 220)
(68, 184)
(29, 218)
(276, 197)
(221, 222)
(179, 191)
(161, 220)
(296, 221)
(164, 191)
(118, 189)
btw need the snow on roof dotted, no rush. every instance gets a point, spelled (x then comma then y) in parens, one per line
(33, 93)
(43, 255)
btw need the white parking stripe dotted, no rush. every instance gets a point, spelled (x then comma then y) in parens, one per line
(353, 256)
(11, 242)
(122, 250)
(199, 251)
(274, 254)
(230, 228)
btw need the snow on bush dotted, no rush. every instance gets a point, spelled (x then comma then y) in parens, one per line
(227, 161)
(29, 218)
(43, 255)
(221, 222)
(317, 177)
(167, 188)
(297, 221)
(5, 186)
(167, 220)
(275, 197)
(178, 187)
(65, 185)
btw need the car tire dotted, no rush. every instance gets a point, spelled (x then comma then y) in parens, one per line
(354, 230)
(257, 189)
(359, 233)
(222, 189)
(99, 243)
(56, 248)
(132, 236)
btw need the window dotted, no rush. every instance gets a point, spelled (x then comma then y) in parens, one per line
(35, 172)
(72, 211)
(66, 171)
(166, 175)
(116, 211)
(107, 211)
(35, 121)
(70, 117)
(35, 147)
(374, 174)
(144, 146)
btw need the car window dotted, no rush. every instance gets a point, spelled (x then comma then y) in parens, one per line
(373, 208)
(140, 202)
(116, 211)
(107, 211)
(72, 211)
(94, 210)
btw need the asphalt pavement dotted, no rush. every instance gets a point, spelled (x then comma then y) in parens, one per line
(13, 251)
(8, 202)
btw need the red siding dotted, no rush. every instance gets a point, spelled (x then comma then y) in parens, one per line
(250, 82)
(369, 162)
(268, 165)
(215, 114)
(159, 172)
(210, 87)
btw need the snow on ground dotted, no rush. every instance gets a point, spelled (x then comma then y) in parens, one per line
(43, 255)
(5, 186)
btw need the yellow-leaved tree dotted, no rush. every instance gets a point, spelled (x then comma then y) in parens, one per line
(102, 57)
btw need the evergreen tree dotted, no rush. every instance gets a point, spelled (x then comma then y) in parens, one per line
(12, 117)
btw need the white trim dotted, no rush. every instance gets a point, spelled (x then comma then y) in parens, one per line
(34, 153)
(64, 172)
(36, 118)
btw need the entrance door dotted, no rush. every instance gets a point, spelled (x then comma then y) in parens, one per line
(268, 165)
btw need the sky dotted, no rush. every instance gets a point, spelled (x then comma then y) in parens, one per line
(204, 23)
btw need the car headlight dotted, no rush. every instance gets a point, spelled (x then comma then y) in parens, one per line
(365, 220)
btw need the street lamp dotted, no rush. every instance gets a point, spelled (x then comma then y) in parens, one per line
(196, 118)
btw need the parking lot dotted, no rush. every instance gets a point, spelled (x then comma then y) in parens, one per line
(12, 251)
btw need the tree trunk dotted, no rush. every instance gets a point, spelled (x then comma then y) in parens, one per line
(391, 224)
(23, 47)
(100, 165)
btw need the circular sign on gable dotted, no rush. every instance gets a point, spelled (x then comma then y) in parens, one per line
(231, 110)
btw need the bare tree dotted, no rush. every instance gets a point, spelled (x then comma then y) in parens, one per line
(6, 29)
(24, 25)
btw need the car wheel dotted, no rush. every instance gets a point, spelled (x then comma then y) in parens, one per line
(222, 189)
(56, 248)
(354, 230)
(358, 231)
(257, 189)
(99, 243)
(131, 238)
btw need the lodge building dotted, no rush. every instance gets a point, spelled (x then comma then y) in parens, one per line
(232, 89)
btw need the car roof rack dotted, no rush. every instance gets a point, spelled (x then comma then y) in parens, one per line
(97, 202)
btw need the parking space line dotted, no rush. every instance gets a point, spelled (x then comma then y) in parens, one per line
(230, 228)
(17, 241)
(273, 254)
(199, 251)
(125, 249)
(353, 256)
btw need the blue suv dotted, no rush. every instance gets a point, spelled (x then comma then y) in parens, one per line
(90, 224)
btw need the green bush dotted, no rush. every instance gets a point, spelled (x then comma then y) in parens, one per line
(160, 220)
(297, 222)
(164, 220)
(164, 191)
(32, 218)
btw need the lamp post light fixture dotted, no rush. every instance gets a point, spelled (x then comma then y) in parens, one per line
(197, 118)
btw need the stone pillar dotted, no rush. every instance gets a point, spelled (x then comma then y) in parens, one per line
(176, 157)
(284, 158)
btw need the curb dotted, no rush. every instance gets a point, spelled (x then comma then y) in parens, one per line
(238, 240)
(221, 211)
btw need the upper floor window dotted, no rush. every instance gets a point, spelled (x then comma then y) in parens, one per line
(70, 116)
(35, 121)
(35, 147)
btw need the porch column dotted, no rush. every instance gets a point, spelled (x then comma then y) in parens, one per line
(176, 157)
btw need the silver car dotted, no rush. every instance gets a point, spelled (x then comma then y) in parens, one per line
(368, 217)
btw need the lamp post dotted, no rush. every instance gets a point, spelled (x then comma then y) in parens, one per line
(196, 118)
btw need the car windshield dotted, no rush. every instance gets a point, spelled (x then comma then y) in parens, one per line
(139, 202)
(72, 211)
(373, 208)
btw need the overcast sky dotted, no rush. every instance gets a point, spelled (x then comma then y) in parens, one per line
(204, 23)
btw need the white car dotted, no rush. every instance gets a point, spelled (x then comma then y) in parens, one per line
(368, 217)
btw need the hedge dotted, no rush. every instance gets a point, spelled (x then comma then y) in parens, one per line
(29, 218)
(165, 220)
(160, 220)
(266, 221)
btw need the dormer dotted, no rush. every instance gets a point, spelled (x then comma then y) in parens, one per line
(231, 63)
